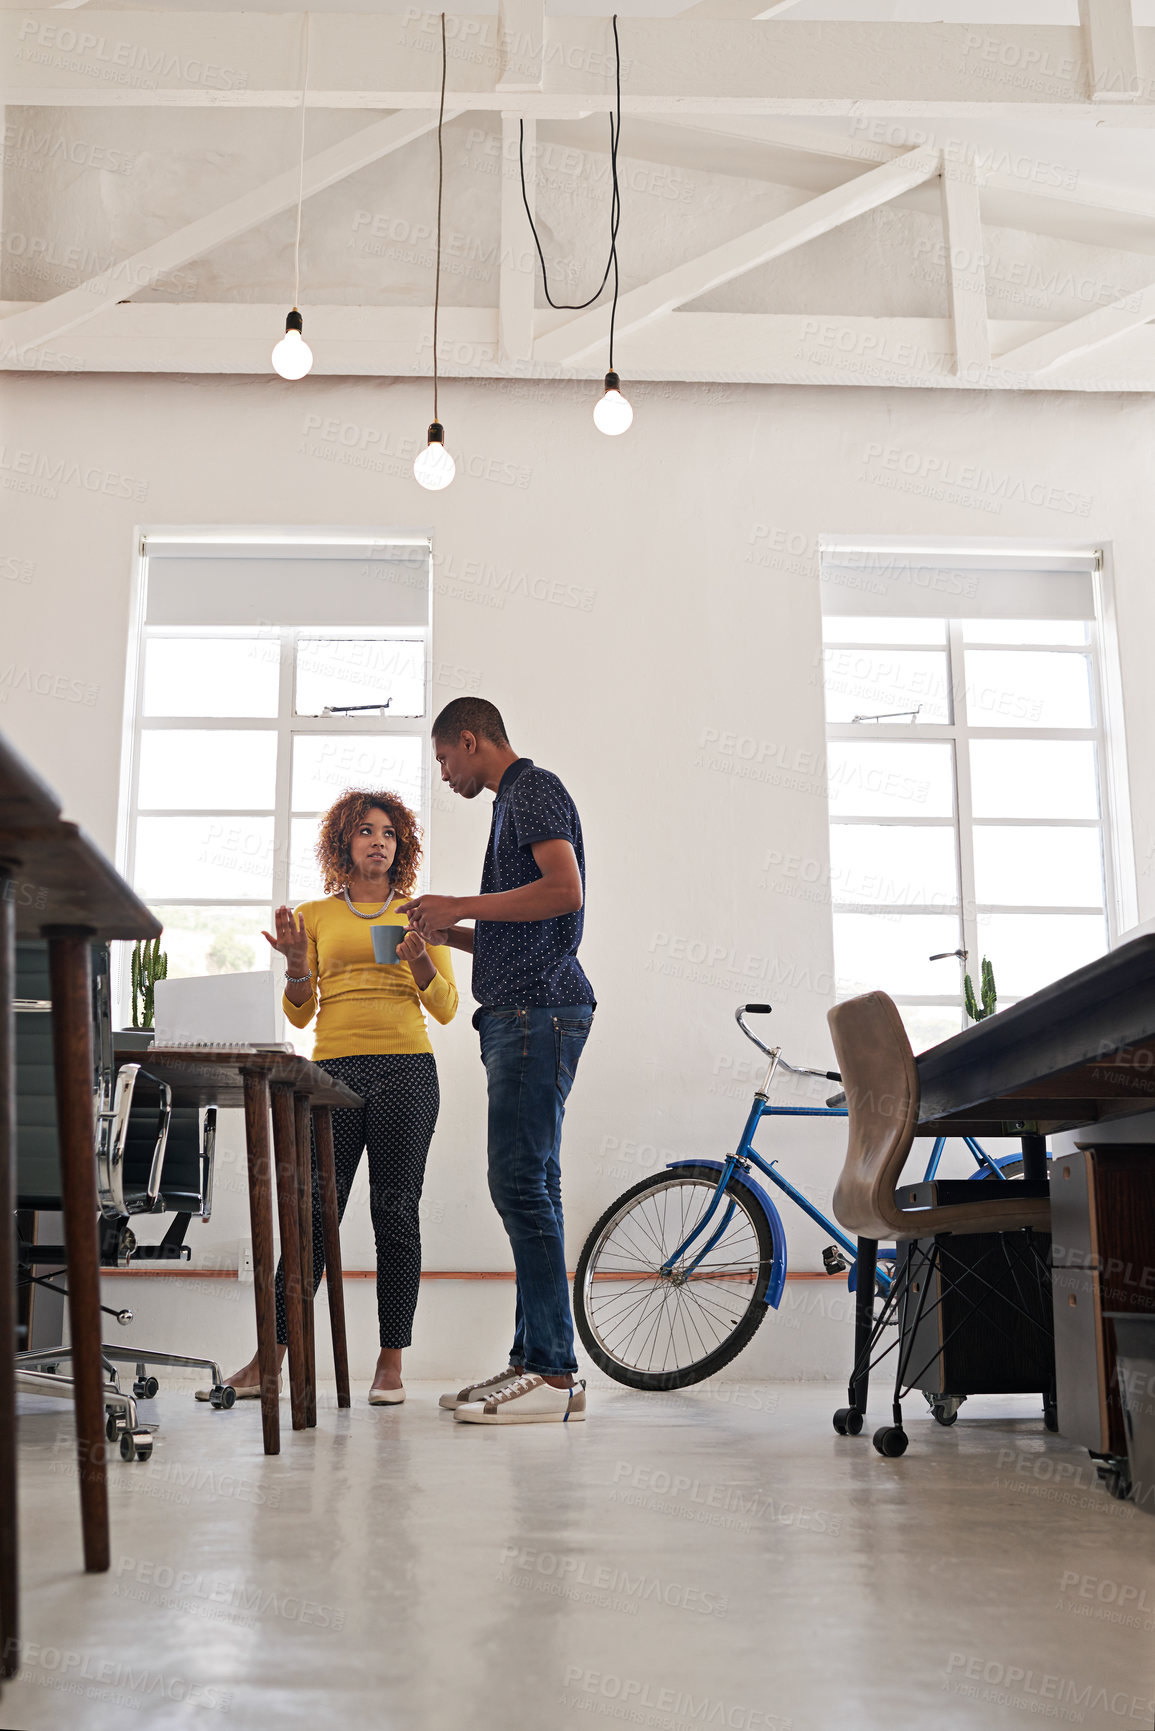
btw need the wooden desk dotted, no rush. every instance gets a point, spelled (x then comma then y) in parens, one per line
(296, 1090)
(1077, 1053)
(1081, 1051)
(54, 883)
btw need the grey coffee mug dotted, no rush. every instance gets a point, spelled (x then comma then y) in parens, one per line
(386, 940)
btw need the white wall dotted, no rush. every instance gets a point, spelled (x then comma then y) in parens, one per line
(681, 701)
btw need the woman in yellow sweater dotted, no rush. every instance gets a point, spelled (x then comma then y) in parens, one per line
(371, 1034)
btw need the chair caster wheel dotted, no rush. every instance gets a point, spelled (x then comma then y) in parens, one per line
(1050, 1416)
(1116, 1479)
(848, 1421)
(135, 1445)
(890, 1440)
(223, 1397)
(114, 1424)
(944, 1412)
(145, 1387)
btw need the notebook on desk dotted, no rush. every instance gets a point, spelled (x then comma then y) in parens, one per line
(220, 1010)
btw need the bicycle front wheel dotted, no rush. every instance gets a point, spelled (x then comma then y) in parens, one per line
(652, 1329)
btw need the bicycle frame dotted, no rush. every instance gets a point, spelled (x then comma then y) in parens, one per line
(746, 1155)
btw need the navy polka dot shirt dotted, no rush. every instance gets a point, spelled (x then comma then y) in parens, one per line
(529, 962)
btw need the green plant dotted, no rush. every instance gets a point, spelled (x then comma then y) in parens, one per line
(149, 964)
(976, 1011)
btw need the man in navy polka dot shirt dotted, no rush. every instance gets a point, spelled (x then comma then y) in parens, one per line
(536, 1008)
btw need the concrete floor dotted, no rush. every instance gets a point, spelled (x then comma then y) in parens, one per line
(716, 1558)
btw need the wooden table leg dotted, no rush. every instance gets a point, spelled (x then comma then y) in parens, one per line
(285, 1156)
(331, 1228)
(70, 965)
(9, 1601)
(264, 1262)
(305, 1215)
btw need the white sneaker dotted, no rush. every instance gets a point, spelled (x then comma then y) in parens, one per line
(529, 1400)
(478, 1390)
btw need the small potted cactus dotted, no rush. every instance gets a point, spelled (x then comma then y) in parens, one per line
(979, 1010)
(149, 963)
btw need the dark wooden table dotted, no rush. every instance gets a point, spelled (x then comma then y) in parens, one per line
(54, 883)
(296, 1090)
(1080, 1052)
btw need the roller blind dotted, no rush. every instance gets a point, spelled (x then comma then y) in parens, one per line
(910, 582)
(221, 584)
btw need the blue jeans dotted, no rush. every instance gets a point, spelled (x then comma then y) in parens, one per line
(530, 1057)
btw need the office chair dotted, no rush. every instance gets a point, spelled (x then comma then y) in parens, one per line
(150, 1159)
(882, 1096)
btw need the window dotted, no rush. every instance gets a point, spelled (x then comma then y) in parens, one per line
(966, 772)
(268, 679)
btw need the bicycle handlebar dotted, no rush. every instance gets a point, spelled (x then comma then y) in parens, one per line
(775, 1052)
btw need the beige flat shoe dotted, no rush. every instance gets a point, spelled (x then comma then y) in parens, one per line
(386, 1396)
(243, 1391)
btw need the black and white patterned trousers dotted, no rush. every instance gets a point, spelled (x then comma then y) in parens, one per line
(396, 1125)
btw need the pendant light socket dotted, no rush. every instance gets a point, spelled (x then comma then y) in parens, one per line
(434, 468)
(292, 356)
(612, 413)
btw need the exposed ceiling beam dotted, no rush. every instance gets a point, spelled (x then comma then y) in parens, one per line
(965, 267)
(740, 9)
(51, 319)
(572, 340)
(1068, 342)
(722, 349)
(1109, 30)
(671, 65)
(522, 24)
(766, 129)
(1088, 196)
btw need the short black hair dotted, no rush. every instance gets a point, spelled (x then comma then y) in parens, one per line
(470, 715)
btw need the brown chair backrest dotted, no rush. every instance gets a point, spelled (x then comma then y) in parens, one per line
(880, 1077)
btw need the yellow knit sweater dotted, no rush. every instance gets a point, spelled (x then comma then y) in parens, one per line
(366, 1006)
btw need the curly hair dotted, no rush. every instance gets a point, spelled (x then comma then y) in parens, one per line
(339, 825)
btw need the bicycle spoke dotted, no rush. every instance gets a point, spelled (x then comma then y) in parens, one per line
(664, 1324)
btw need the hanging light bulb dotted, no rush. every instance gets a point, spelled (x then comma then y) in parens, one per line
(292, 356)
(612, 413)
(433, 467)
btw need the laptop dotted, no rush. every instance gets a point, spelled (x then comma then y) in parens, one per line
(221, 1010)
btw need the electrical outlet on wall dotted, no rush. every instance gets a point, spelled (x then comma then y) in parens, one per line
(245, 1261)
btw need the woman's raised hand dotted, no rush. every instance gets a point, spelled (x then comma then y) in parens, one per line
(292, 940)
(411, 946)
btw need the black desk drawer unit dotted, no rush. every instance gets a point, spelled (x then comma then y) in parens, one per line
(972, 1336)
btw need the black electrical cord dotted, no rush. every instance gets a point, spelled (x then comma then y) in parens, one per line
(615, 207)
(440, 188)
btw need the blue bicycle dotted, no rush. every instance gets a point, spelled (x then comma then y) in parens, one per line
(679, 1272)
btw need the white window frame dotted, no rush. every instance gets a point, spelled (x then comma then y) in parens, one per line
(285, 724)
(1105, 733)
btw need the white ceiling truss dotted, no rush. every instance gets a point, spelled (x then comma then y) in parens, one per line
(718, 80)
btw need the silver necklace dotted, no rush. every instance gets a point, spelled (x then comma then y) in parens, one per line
(357, 911)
